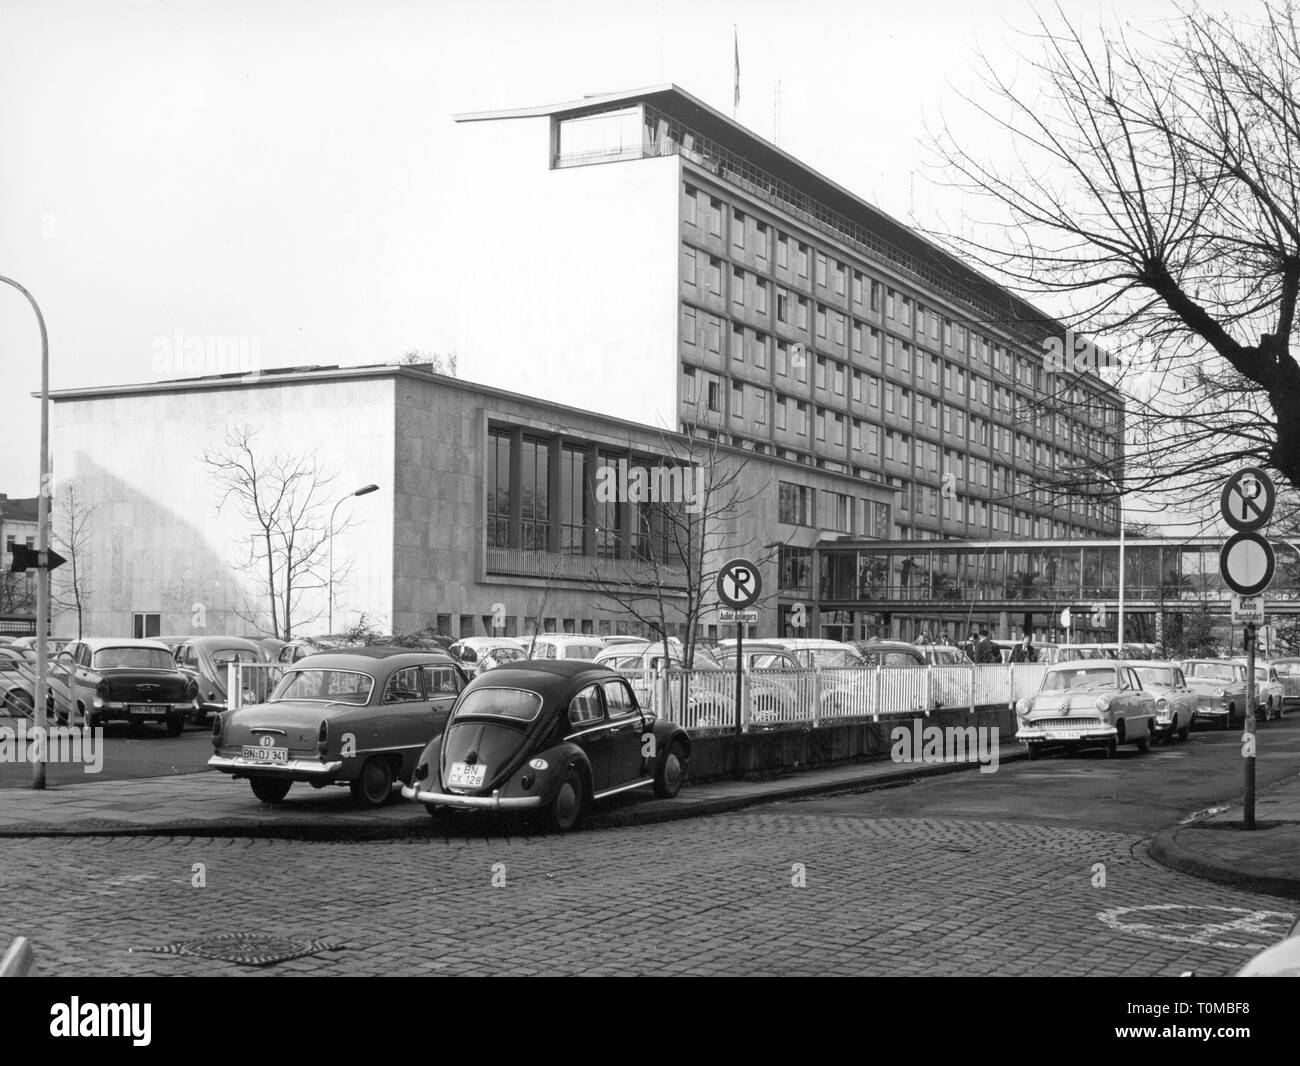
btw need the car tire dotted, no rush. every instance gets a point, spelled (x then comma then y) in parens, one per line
(270, 789)
(1112, 748)
(670, 771)
(19, 704)
(175, 725)
(373, 786)
(1143, 743)
(1185, 732)
(565, 808)
(1035, 752)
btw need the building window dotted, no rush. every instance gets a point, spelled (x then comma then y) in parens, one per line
(801, 314)
(780, 412)
(803, 259)
(781, 365)
(689, 325)
(821, 269)
(820, 381)
(738, 343)
(737, 401)
(145, 624)
(573, 498)
(760, 406)
(782, 308)
(689, 267)
(498, 489)
(690, 206)
(821, 321)
(715, 217)
(782, 252)
(738, 229)
(839, 379)
(760, 350)
(761, 244)
(875, 296)
(713, 396)
(715, 276)
(821, 424)
(857, 387)
(534, 485)
(738, 288)
(760, 296)
(890, 307)
(794, 504)
(839, 279)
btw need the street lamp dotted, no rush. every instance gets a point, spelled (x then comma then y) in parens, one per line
(42, 544)
(1119, 495)
(363, 491)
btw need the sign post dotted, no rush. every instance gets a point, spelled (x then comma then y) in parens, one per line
(1247, 563)
(739, 584)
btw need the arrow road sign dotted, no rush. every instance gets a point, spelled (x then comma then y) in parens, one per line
(1247, 499)
(739, 583)
(1246, 562)
(26, 558)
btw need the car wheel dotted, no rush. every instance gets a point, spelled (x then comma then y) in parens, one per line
(671, 771)
(565, 808)
(1185, 732)
(175, 725)
(374, 785)
(19, 704)
(1269, 713)
(1035, 752)
(270, 789)
(1112, 748)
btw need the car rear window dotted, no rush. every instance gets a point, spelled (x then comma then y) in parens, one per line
(133, 659)
(517, 704)
(325, 686)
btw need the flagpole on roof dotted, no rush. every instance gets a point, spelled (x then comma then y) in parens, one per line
(735, 96)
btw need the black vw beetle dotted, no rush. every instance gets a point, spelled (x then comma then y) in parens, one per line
(549, 737)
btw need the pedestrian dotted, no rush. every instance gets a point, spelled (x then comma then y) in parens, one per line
(1024, 652)
(986, 650)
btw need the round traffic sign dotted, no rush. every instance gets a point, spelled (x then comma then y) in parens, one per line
(739, 583)
(1246, 502)
(1246, 562)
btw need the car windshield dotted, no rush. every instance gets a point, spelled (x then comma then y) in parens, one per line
(517, 704)
(768, 661)
(225, 656)
(834, 658)
(1287, 669)
(133, 659)
(1061, 680)
(1213, 671)
(1151, 676)
(503, 655)
(324, 686)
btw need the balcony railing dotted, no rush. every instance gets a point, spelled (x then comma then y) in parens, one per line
(521, 562)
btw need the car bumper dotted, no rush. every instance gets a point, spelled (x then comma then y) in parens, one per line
(1060, 735)
(140, 712)
(296, 769)
(470, 803)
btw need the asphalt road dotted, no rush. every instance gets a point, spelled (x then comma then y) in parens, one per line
(1134, 792)
(128, 752)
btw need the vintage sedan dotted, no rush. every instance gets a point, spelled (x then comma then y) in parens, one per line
(1088, 703)
(1175, 702)
(1270, 692)
(1220, 688)
(1288, 673)
(123, 680)
(551, 738)
(18, 687)
(359, 717)
(206, 660)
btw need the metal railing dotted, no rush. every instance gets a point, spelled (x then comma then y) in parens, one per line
(250, 682)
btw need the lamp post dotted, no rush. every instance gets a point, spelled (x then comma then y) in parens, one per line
(1119, 495)
(42, 544)
(363, 491)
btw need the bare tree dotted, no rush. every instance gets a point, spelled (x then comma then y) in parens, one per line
(1154, 192)
(433, 361)
(72, 518)
(676, 547)
(17, 593)
(284, 499)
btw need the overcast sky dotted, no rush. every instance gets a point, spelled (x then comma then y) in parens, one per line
(281, 172)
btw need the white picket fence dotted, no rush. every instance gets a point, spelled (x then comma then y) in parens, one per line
(706, 699)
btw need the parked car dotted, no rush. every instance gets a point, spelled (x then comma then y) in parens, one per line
(1269, 690)
(1087, 704)
(206, 659)
(491, 658)
(711, 701)
(1288, 673)
(1175, 701)
(53, 645)
(134, 681)
(1280, 960)
(359, 717)
(826, 654)
(564, 646)
(18, 688)
(890, 653)
(550, 737)
(468, 650)
(1220, 688)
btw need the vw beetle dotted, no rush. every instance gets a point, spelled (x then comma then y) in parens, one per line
(550, 737)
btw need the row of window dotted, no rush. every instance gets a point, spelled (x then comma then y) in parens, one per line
(837, 512)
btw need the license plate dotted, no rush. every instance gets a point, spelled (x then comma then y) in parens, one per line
(257, 753)
(465, 776)
(146, 709)
(1065, 734)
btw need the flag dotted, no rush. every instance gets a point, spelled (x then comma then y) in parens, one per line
(736, 41)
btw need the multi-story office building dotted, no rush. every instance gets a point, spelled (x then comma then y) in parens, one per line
(667, 265)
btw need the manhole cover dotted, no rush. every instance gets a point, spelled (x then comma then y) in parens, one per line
(247, 949)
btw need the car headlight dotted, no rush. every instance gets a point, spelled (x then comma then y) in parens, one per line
(1103, 703)
(1023, 707)
(1162, 704)
(1219, 693)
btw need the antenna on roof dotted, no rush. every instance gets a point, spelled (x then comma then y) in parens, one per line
(776, 113)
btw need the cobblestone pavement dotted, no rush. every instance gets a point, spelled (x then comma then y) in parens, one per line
(708, 896)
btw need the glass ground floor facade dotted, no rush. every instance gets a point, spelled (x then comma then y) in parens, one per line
(917, 589)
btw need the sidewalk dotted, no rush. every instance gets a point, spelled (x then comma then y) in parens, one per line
(1210, 846)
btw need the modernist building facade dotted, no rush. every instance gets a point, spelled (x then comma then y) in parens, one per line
(496, 513)
(745, 295)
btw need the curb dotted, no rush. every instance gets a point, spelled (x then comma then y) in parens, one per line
(426, 828)
(1167, 849)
